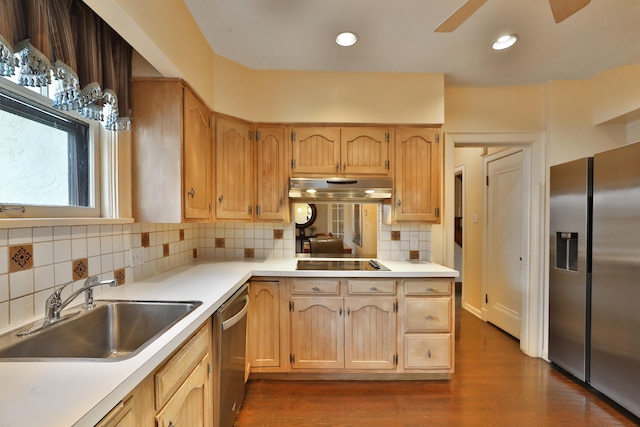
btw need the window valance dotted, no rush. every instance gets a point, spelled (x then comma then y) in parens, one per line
(63, 44)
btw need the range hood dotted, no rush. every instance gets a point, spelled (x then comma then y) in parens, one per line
(341, 189)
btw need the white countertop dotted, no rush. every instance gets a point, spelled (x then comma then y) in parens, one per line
(79, 393)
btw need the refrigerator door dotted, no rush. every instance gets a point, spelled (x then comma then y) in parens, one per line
(615, 324)
(569, 266)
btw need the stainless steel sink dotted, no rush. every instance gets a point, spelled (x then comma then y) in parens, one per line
(113, 330)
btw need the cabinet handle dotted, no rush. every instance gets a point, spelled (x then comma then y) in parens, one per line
(249, 209)
(430, 290)
(430, 317)
(348, 311)
(428, 354)
(340, 311)
(171, 424)
(399, 202)
(337, 167)
(315, 289)
(192, 193)
(257, 209)
(344, 166)
(373, 289)
(220, 198)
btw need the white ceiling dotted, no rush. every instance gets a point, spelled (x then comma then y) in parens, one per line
(398, 36)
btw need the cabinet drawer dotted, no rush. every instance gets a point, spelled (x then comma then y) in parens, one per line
(427, 315)
(315, 287)
(427, 287)
(427, 351)
(168, 378)
(369, 287)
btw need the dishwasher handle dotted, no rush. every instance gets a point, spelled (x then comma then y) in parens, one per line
(235, 319)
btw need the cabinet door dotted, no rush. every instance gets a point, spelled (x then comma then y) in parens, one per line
(370, 332)
(317, 333)
(272, 200)
(123, 415)
(365, 151)
(264, 324)
(234, 170)
(191, 404)
(315, 150)
(197, 158)
(417, 175)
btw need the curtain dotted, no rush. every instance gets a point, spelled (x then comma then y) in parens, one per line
(65, 45)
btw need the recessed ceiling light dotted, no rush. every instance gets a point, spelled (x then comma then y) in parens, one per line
(505, 41)
(311, 191)
(346, 39)
(369, 191)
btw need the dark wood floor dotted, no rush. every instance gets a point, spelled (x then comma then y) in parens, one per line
(494, 384)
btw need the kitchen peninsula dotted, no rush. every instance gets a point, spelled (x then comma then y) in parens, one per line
(81, 393)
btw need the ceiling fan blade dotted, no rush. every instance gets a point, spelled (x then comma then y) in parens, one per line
(459, 16)
(562, 9)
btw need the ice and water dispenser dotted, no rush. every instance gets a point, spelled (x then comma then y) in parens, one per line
(567, 250)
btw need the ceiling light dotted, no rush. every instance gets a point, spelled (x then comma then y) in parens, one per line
(505, 41)
(311, 191)
(346, 39)
(369, 191)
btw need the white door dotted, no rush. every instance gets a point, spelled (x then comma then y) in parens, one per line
(506, 225)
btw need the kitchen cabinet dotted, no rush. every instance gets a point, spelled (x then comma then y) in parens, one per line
(272, 186)
(267, 326)
(178, 393)
(427, 327)
(333, 151)
(417, 175)
(234, 169)
(353, 332)
(171, 153)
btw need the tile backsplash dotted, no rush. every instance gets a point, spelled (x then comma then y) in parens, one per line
(35, 260)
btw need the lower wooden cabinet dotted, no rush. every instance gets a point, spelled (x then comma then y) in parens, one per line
(178, 393)
(352, 326)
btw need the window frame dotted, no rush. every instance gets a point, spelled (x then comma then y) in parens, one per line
(93, 145)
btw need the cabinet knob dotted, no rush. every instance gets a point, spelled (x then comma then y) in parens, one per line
(428, 354)
(399, 202)
(192, 193)
(220, 198)
(171, 424)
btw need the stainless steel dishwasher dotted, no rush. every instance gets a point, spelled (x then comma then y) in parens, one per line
(230, 340)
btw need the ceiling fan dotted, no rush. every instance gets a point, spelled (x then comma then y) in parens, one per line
(561, 9)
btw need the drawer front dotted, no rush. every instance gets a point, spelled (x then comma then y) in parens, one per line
(315, 287)
(427, 287)
(372, 287)
(427, 315)
(175, 371)
(427, 351)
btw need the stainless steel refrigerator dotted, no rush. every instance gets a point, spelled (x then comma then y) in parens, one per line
(570, 266)
(594, 272)
(615, 313)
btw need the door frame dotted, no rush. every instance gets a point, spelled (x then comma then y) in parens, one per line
(526, 198)
(533, 321)
(462, 170)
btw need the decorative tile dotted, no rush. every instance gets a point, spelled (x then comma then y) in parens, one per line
(414, 255)
(181, 234)
(220, 242)
(165, 249)
(20, 258)
(80, 269)
(395, 235)
(195, 253)
(144, 239)
(120, 276)
(249, 253)
(278, 234)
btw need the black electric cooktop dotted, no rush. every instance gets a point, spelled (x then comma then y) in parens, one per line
(350, 265)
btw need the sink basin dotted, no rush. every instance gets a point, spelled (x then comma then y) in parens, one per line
(113, 330)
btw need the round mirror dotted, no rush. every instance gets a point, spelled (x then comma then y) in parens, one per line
(305, 214)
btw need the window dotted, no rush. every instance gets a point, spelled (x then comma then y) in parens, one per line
(47, 159)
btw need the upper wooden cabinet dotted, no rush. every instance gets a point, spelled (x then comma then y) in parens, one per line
(251, 171)
(272, 186)
(171, 152)
(333, 151)
(417, 175)
(234, 169)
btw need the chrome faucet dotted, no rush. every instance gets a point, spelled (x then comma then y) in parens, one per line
(54, 304)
